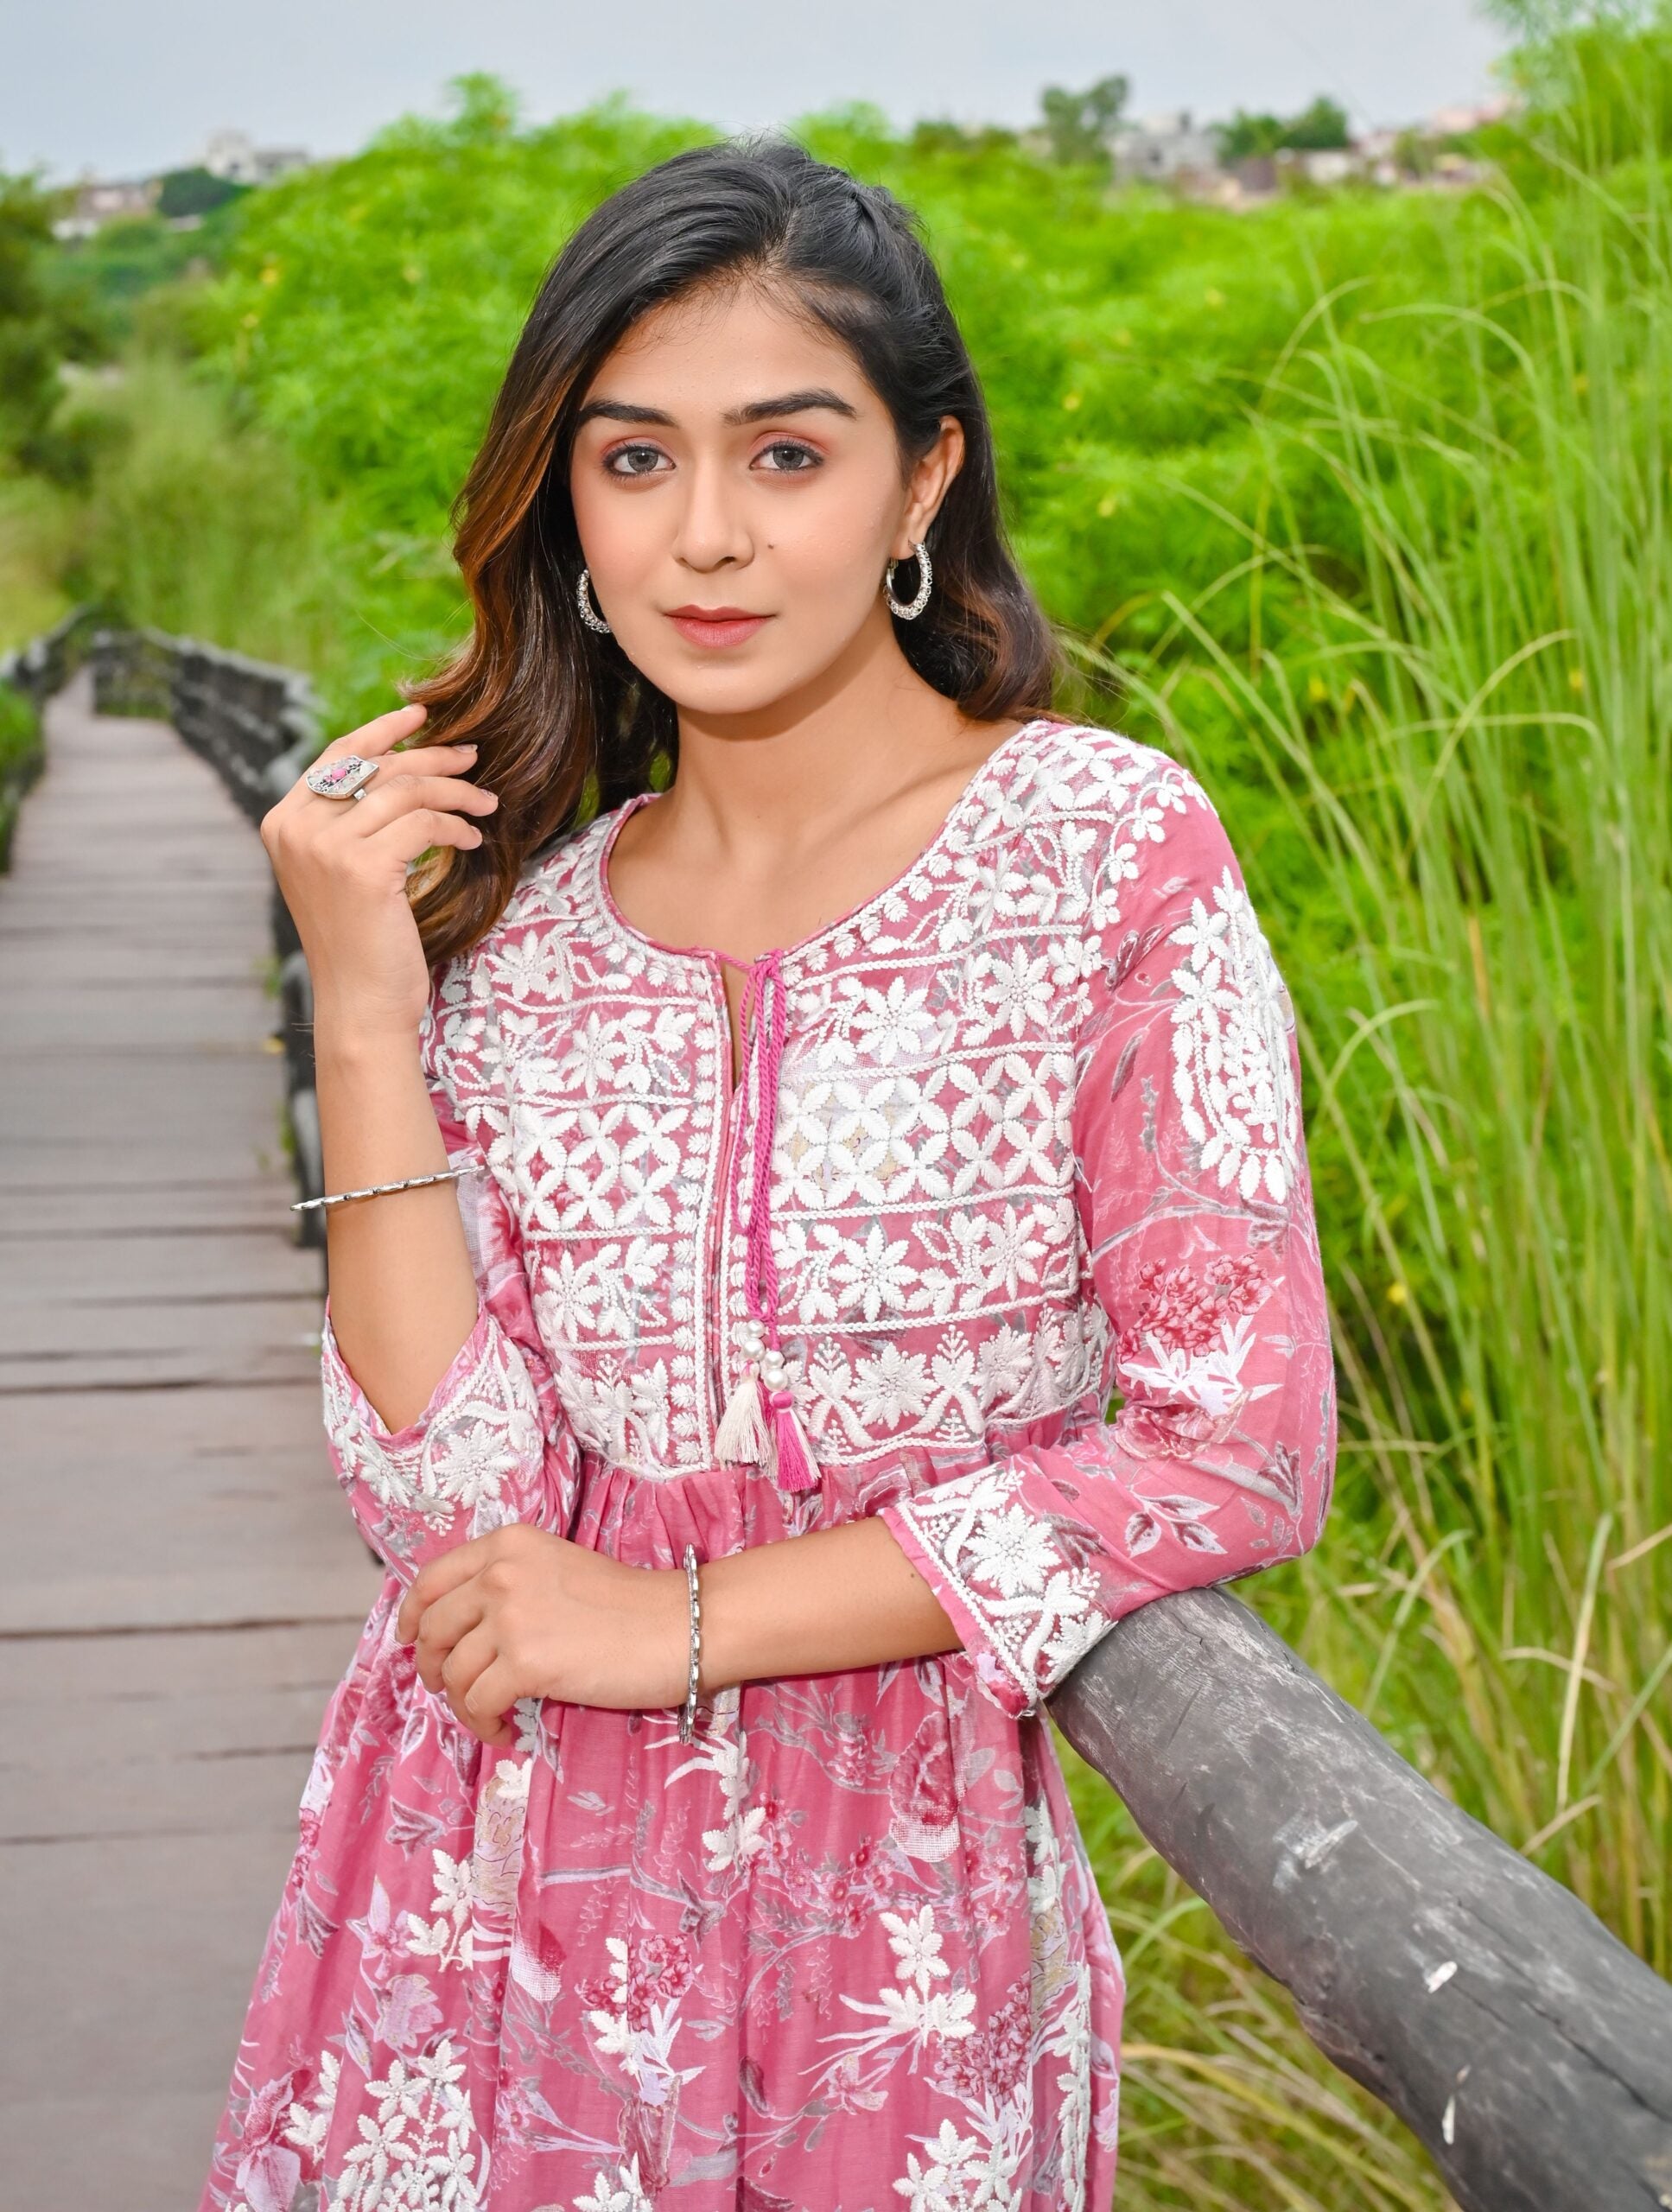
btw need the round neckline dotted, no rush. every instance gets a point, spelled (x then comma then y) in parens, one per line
(854, 915)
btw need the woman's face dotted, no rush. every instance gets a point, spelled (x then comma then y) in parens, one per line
(737, 490)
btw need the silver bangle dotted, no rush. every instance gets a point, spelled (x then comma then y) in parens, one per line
(688, 1717)
(376, 1190)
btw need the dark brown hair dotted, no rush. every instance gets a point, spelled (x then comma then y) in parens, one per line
(566, 724)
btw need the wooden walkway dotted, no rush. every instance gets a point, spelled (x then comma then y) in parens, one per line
(180, 1585)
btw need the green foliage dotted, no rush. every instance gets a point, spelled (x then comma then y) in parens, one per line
(20, 760)
(31, 334)
(19, 727)
(40, 527)
(1598, 98)
(1317, 128)
(195, 192)
(189, 502)
(1078, 124)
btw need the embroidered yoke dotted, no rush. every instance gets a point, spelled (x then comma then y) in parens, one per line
(1020, 1134)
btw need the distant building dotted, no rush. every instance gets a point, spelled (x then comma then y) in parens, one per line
(233, 155)
(228, 153)
(1458, 122)
(1328, 164)
(1252, 177)
(100, 201)
(1165, 149)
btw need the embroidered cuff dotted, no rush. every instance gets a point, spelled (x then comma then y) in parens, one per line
(1026, 1611)
(475, 1450)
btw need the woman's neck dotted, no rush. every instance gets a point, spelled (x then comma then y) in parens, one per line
(775, 826)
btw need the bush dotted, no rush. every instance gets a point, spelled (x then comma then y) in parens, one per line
(22, 756)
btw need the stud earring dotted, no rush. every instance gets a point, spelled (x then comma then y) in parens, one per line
(909, 612)
(589, 614)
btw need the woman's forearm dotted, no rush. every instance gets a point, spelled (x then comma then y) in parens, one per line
(837, 1597)
(403, 1295)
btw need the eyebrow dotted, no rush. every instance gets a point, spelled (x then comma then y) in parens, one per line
(754, 410)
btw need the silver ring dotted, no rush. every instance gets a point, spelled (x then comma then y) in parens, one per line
(346, 777)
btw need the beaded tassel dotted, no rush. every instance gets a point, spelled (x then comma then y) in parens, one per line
(794, 1464)
(741, 1439)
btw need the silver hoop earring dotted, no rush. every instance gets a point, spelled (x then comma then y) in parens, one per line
(589, 614)
(911, 611)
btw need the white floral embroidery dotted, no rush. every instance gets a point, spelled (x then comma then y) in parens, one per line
(964, 2173)
(914, 2010)
(623, 2193)
(917, 1944)
(446, 1937)
(487, 1431)
(308, 2125)
(1040, 1613)
(646, 2052)
(1233, 1078)
(414, 2154)
(923, 1169)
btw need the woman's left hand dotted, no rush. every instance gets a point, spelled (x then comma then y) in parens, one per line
(521, 1613)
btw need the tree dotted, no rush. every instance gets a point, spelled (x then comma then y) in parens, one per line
(194, 191)
(1078, 124)
(29, 349)
(1249, 137)
(1319, 129)
(1316, 130)
(484, 107)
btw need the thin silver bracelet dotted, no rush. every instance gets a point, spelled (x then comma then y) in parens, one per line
(687, 1718)
(376, 1190)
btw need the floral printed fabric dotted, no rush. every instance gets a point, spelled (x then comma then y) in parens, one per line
(1037, 1141)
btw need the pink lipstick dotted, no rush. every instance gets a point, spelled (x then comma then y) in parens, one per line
(715, 626)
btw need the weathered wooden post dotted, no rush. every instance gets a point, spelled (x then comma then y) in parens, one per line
(1527, 2048)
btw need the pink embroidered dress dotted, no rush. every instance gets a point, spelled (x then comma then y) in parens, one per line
(1034, 1138)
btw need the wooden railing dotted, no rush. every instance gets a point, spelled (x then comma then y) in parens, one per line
(1476, 1997)
(1525, 2045)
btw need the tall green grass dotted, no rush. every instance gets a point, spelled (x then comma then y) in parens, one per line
(203, 523)
(1470, 740)
(1466, 733)
(39, 525)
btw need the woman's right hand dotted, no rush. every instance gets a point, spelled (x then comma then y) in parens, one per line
(342, 865)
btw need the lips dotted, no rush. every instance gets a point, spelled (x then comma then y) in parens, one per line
(715, 626)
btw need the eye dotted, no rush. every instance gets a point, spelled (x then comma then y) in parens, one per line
(643, 457)
(794, 458)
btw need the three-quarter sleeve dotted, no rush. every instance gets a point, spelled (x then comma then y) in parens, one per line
(1200, 1245)
(493, 1445)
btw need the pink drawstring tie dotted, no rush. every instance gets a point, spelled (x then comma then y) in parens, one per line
(762, 1407)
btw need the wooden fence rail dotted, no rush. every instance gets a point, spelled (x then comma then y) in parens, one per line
(1480, 1999)
(1527, 2047)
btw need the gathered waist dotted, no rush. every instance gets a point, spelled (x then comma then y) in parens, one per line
(635, 1515)
(648, 1519)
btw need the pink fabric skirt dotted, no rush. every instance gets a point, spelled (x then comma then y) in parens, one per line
(843, 1952)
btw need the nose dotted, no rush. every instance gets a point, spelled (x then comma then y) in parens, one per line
(712, 528)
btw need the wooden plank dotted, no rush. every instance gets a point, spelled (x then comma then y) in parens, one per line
(182, 1580)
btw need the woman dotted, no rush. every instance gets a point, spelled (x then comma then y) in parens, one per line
(821, 1079)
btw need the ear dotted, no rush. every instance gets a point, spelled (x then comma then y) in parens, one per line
(929, 483)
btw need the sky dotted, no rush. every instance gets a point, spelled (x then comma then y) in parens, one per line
(127, 87)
